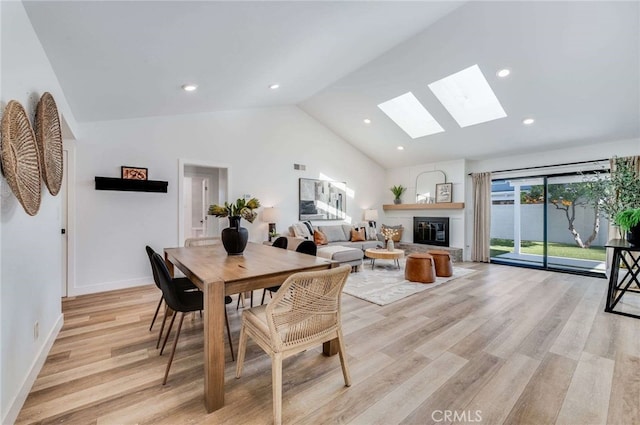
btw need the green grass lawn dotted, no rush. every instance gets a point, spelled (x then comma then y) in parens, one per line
(503, 246)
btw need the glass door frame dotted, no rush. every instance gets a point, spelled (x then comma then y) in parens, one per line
(545, 225)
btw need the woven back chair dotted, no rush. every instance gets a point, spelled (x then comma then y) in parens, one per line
(207, 240)
(304, 313)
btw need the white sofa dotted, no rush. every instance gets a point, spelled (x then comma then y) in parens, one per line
(339, 247)
(336, 234)
(341, 254)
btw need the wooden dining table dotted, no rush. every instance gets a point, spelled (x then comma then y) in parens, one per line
(217, 274)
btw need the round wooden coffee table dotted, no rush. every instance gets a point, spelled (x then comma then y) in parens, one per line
(384, 254)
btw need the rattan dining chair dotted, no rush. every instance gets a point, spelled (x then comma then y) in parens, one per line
(202, 241)
(304, 313)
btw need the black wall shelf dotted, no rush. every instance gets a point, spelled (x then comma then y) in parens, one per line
(128, 185)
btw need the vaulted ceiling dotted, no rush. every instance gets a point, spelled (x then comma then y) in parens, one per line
(575, 66)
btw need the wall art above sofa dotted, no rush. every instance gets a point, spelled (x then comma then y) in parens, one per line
(322, 200)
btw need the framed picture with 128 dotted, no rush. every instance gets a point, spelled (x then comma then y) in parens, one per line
(133, 173)
(443, 192)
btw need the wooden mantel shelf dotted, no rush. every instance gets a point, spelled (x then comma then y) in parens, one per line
(441, 206)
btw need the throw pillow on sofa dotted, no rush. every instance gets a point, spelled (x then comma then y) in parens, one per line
(371, 233)
(303, 229)
(319, 238)
(357, 235)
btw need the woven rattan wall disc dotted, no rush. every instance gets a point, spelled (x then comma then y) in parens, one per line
(49, 139)
(20, 158)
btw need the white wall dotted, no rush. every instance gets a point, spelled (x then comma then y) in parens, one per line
(30, 246)
(260, 148)
(406, 176)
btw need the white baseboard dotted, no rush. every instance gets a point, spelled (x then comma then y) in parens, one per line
(109, 286)
(16, 404)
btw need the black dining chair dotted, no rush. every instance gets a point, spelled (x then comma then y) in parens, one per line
(179, 301)
(281, 242)
(181, 283)
(305, 247)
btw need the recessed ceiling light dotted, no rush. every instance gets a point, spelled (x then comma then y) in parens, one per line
(189, 87)
(409, 114)
(367, 121)
(274, 86)
(400, 148)
(528, 121)
(503, 73)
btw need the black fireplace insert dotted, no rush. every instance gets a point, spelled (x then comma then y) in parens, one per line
(431, 230)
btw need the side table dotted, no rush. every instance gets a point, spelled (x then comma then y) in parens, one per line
(619, 287)
(384, 254)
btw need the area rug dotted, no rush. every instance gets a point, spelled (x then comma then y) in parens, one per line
(386, 284)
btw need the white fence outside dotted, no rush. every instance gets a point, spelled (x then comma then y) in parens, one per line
(531, 219)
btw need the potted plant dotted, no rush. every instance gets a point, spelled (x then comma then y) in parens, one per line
(629, 221)
(397, 192)
(273, 235)
(235, 238)
(620, 194)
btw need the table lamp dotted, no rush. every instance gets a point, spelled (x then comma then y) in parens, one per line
(270, 215)
(371, 216)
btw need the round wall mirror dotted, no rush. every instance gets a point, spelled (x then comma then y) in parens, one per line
(426, 186)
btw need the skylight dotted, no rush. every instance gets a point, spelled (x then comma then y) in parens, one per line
(411, 116)
(468, 97)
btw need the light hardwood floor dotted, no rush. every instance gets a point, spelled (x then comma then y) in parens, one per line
(502, 345)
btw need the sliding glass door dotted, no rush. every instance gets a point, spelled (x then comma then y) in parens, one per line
(577, 232)
(518, 222)
(550, 222)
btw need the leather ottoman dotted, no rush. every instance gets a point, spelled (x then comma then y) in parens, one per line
(420, 268)
(442, 261)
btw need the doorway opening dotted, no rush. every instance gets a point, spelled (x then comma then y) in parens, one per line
(67, 218)
(201, 185)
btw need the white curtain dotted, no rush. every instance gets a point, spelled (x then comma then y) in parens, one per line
(480, 249)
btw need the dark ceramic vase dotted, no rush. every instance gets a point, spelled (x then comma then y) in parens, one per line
(397, 201)
(234, 237)
(633, 235)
